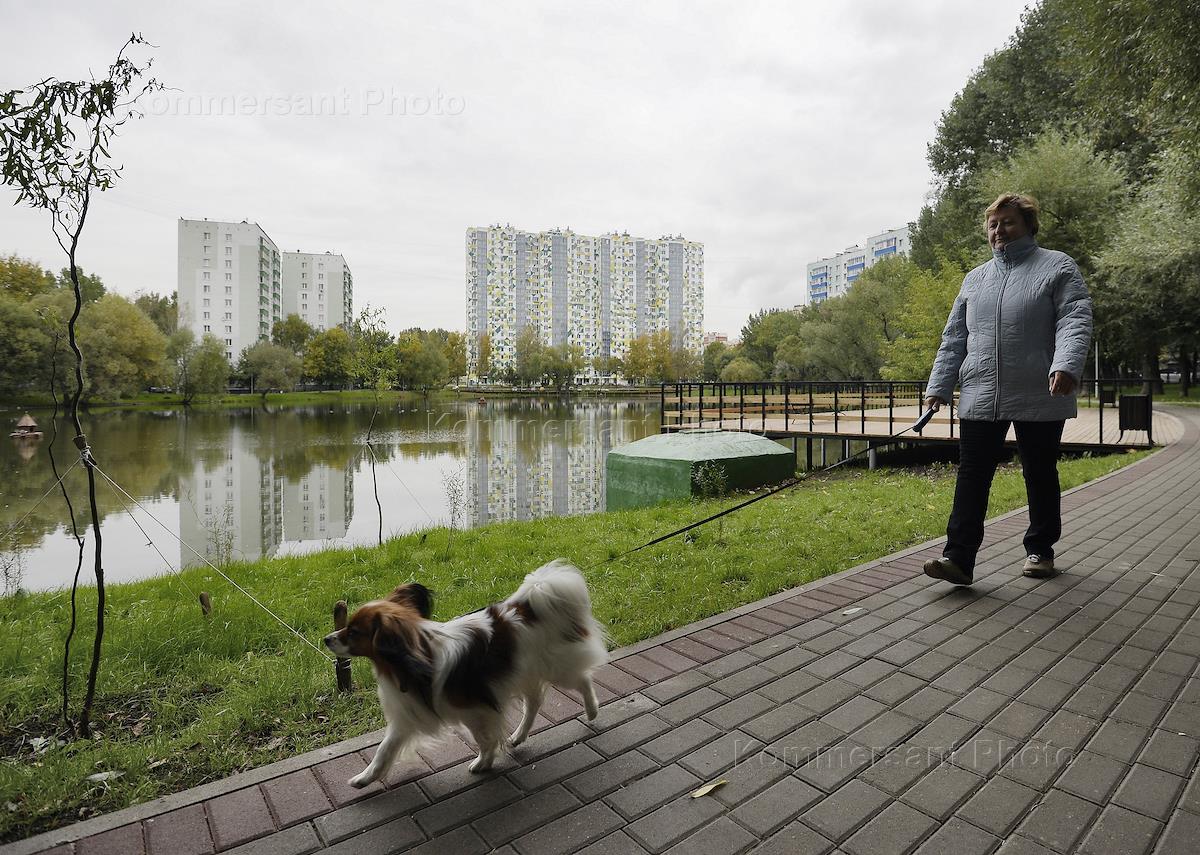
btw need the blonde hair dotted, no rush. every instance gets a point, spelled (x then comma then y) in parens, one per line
(1027, 206)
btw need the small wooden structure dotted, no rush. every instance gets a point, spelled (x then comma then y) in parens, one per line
(26, 427)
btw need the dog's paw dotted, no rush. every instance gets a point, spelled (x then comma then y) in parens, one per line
(480, 765)
(516, 739)
(361, 780)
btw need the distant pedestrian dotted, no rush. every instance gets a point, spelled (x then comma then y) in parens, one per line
(1015, 342)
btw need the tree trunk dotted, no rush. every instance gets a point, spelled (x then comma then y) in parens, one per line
(1185, 372)
(1151, 378)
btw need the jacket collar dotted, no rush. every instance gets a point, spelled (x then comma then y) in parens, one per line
(1016, 251)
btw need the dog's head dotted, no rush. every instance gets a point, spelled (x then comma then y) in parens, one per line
(388, 632)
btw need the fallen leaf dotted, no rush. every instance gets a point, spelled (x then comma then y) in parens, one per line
(104, 776)
(156, 764)
(708, 788)
(854, 610)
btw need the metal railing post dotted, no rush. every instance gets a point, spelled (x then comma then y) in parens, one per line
(785, 405)
(741, 406)
(835, 407)
(891, 406)
(810, 406)
(764, 407)
(863, 413)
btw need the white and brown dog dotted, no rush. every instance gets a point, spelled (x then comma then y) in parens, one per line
(466, 671)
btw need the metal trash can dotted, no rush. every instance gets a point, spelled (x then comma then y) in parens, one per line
(1135, 413)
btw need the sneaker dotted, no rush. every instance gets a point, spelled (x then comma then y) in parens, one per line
(1038, 567)
(944, 568)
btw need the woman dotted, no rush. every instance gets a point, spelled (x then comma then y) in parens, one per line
(1016, 342)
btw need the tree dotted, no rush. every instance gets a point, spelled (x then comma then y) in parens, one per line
(742, 370)
(638, 360)
(716, 356)
(293, 332)
(125, 348)
(163, 309)
(55, 136)
(373, 356)
(561, 364)
(23, 280)
(483, 359)
(455, 352)
(764, 331)
(419, 364)
(269, 366)
(210, 369)
(529, 359)
(791, 360)
(89, 284)
(329, 358)
(24, 345)
(929, 296)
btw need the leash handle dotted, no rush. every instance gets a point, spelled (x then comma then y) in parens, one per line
(920, 423)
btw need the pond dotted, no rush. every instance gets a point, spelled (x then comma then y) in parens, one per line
(242, 484)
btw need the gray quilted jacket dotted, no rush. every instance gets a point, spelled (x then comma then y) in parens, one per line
(1017, 319)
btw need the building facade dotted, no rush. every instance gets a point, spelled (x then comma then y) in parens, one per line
(598, 293)
(832, 277)
(230, 282)
(318, 287)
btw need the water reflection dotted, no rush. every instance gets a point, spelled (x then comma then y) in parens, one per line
(249, 483)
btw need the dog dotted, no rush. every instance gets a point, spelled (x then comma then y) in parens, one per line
(466, 671)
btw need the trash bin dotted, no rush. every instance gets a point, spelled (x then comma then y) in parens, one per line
(1135, 413)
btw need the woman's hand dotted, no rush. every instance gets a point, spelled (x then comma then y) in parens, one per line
(1061, 383)
(933, 402)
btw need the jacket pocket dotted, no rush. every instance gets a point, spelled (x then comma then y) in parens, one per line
(967, 371)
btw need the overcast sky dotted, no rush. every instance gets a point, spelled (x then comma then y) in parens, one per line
(774, 133)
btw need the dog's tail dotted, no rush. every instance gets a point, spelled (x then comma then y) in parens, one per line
(557, 594)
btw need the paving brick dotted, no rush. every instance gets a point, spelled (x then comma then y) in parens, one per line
(1181, 834)
(1120, 830)
(1170, 751)
(897, 829)
(1067, 730)
(513, 820)
(448, 750)
(789, 660)
(628, 735)
(775, 806)
(694, 649)
(400, 772)
(610, 774)
(1092, 701)
(1119, 740)
(238, 817)
(447, 782)
(361, 816)
(668, 658)
(1059, 820)
(335, 776)
(833, 664)
(720, 754)
(728, 664)
(869, 672)
(617, 843)
(1140, 709)
(1182, 717)
(731, 714)
(748, 777)
(466, 807)
(956, 837)
(853, 714)
(679, 741)
(804, 743)
(717, 641)
(646, 794)
(691, 705)
(745, 680)
(942, 790)
(895, 688)
(794, 839)
(789, 686)
(179, 832)
(776, 722)
(297, 840)
(998, 805)
(643, 668)
(620, 711)
(619, 681)
(835, 765)
(124, 840)
(673, 822)
(1037, 764)
(295, 797)
(555, 767)
(844, 812)
(826, 696)
(674, 687)
(1018, 720)
(722, 837)
(1150, 792)
(1092, 776)
(979, 705)
(394, 836)
(460, 841)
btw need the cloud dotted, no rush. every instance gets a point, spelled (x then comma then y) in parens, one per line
(775, 133)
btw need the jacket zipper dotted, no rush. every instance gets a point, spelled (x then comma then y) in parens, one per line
(996, 344)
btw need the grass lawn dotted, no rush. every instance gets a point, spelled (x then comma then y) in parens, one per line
(184, 700)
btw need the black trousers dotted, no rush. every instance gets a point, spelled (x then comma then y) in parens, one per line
(980, 447)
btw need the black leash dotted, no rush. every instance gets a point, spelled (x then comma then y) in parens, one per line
(915, 427)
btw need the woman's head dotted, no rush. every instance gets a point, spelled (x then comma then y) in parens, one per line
(1011, 216)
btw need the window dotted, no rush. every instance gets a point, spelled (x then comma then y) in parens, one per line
(207, 328)
(320, 275)
(304, 306)
(207, 288)
(228, 316)
(229, 250)
(207, 235)
(229, 329)
(228, 237)
(206, 301)
(228, 265)
(228, 289)
(229, 342)
(206, 275)
(207, 316)
(303, 275)
(228, 277)
(207, 263)
(229, 302)
(207, 249)
(304, 264)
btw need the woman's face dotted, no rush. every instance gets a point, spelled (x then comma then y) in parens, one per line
(1005, 226)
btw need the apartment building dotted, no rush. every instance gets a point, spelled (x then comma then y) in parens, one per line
(230, 282)
(832, 277)
(597, 292)
(319, 288)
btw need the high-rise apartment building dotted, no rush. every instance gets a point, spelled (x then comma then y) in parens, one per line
(230, 282)
(595, 292)
(832, 277)
(318, 287)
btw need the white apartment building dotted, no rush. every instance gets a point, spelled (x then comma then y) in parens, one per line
(320, 505)
(832, 277)
(229, 282)
(595, 292)
(318, 287)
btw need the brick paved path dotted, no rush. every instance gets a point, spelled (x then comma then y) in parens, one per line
(876, 711)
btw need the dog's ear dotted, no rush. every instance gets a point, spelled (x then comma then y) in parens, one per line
(404, 652)
(415, 596)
